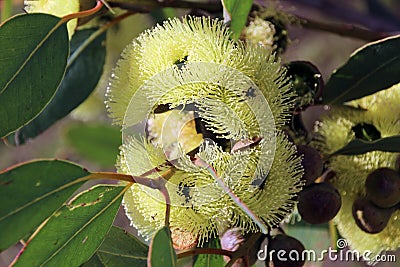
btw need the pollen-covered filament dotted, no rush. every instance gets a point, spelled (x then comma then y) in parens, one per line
(239, 93)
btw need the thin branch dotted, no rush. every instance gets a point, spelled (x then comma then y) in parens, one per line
(108, 6)
(157, 183)
(164, 191)
(82, 14)
(148, 6)
(165, 194)
(168, 163)
(342, 29)
(96, 34)
(341, 10)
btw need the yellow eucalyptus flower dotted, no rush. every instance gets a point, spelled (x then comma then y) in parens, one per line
(241, 92)
(382, 111)
(57, 8)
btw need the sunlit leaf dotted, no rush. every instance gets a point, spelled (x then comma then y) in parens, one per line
(31, 192)
(237, 10)
(162, 253)
(370, 69)
(72, 235)
(33, 58)
(85, 66)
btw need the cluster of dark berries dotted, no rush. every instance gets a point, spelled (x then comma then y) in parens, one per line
(372, 212)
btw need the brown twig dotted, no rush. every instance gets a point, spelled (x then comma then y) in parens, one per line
(164, 191)
(342, 29)
(82, 14)
(148, 6)
(342, 11)
(96, 34)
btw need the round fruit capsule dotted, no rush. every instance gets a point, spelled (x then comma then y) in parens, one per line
(319, 203)
(370, 218)
(285, 251)
(307, 82)
(311, 162)
(383, 187)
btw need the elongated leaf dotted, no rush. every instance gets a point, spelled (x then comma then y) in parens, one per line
(210, 260)
(238, 10)
(84, 69)
(358, 146)
(33, 57)
(96, 142)
(162, 253)
(119, 248)
(370, 69)
(73, 233)
(31, 192)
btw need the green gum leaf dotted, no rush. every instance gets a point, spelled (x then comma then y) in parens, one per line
(370, 69)
(359, 146)
(31, 192)
(162, 253)
(237, 10)
(84, 69)
(120, 248)
(75, 231)
(33, 58)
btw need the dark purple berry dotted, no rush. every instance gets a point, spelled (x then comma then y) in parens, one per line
(311, 162)
(383, 187)
(319, 203)
(288, 248)
(370, 218)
